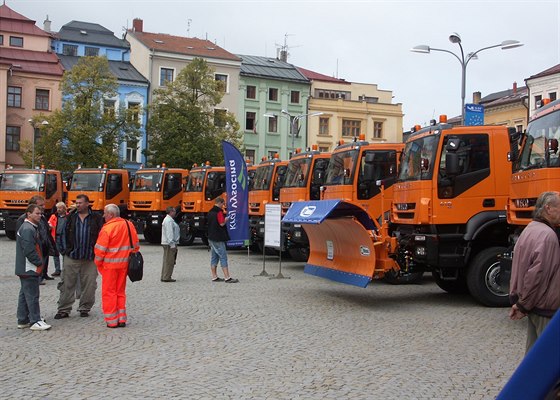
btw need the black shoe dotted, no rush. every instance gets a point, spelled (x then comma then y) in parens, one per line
(169, 280)
(232, 280)
(122, 325)
(61, 314)
(48, 278)
(84, 314)
(217, 280)
(57, 273)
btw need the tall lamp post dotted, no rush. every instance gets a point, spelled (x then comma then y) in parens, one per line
(33, 124)
(464, 60)
(293, 122)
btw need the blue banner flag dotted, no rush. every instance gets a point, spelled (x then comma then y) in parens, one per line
(237, 190)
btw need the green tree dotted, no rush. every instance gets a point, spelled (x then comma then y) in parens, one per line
(83, 132)
(184, 126)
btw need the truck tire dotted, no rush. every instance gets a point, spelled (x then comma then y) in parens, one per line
(11, 235)
(402, 278)
(186, 240)
(483, 278)
(457, 286)
(152, 235)
(300, 254)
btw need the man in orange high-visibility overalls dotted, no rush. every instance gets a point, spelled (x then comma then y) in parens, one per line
(112, 251)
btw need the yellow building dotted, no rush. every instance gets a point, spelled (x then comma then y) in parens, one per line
(30, 75)
(350, 109)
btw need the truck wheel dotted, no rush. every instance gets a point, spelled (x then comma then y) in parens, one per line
(483, 278)
(402, 278)
(300, 254)
(11, 235)
(457, 286)
(187, 239)
(152, 235)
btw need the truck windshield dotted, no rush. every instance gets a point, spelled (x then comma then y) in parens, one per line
(297, 172)
(82, 182)
(263, 176)
(540, 148)
(418, 157)
(147, 182)
(341, 167)
(196, 180)
(22, 182)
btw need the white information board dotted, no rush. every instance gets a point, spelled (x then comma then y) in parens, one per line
(272, 225)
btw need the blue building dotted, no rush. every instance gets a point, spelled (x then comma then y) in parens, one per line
(77, 39)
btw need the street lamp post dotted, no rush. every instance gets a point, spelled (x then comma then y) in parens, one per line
(32, 122)
(464, 60)
(293, 122)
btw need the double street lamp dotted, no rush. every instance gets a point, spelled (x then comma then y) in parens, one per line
(293, 122)
(464, 60)
(33, 124)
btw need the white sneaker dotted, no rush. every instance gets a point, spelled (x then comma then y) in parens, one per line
(40, 326)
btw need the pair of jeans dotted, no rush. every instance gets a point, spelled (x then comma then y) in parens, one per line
(28, 310)
(218, 253)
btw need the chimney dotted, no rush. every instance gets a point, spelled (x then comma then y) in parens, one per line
(514, 88)
(137, 25)
(47, 24)
(476, 96)
(283, 55)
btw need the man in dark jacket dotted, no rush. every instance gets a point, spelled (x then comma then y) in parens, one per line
(29, 266)
(82, 230)
(217, 239)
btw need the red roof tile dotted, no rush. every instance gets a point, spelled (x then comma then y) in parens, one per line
(17, 23)
(32, 61)
(183, 45)
(315, 76)
(546, 72)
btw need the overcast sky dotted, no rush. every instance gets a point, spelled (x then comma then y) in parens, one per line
(365, 41)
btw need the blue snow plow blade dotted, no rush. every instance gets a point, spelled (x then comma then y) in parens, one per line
(316, 211)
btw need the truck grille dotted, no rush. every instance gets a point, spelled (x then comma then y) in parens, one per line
(142, 204)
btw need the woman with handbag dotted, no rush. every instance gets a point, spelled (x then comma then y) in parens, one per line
(117, 240)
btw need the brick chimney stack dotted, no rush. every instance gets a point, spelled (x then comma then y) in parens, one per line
(47, 24)
(476, 96)
(514, 88)
(137, 25)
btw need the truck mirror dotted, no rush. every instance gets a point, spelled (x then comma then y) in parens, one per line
(368, 171)
(346, 172)
(553, 146)
(452, 164)
(370, 156)
(424, 164)
(453, 144)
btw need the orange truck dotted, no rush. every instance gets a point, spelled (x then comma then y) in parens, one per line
(305, 175)
(449, 206)
(204, 184)
(17, 186)
(152, 191)
(265, 189)
(102, 185)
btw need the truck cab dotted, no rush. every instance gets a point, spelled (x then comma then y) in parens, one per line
(152, 191)
(103, 186)
(17, 186)
(204, 184)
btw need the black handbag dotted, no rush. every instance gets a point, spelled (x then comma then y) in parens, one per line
(135, 261)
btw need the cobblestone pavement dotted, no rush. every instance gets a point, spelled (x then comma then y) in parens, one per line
(297, 338)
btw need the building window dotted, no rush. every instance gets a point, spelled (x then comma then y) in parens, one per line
(223, 82)
(519, 128)
(294, 97)
(1, 40)
(324, 149)
(220, 117)
(368, 99)
(332, 94)
(12, 138)
(165, 75)
(273, 124)
(552, 96)
(273, 94)
(92, 51)
(323, 126)
(351, 127)
(36, 134)
(251, 92)
(250, 155)
(131, 150)
(14, 96)
(250, 121)
(133, 112)
(538, 100)
(109, 107)
(16, 41)
(41, 99)
(377, 130)
(69, 50)
(272, 153)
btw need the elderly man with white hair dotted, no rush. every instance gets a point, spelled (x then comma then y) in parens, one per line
(117, 239)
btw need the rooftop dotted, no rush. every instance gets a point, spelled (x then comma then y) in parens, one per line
(272, 68)
(90, 33)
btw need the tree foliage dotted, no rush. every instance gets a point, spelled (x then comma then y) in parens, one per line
(184, 127)
(82, 132)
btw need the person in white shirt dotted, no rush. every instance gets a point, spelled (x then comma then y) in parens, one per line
(169, 240)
